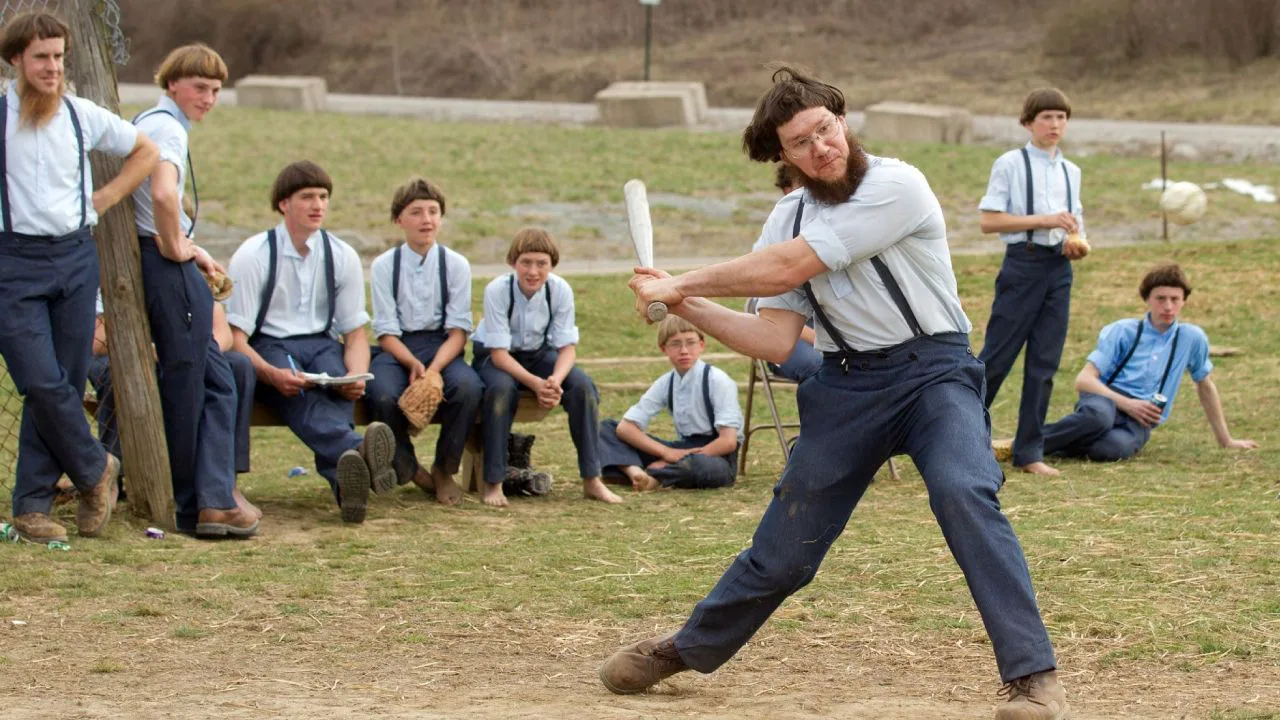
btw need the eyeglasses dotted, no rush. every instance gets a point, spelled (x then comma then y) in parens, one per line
(826, 132)
(674, 345)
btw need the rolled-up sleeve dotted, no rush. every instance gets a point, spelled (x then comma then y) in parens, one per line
(1106, 355)
(386, 321)
(169, 137)
(1198, 361)
(349, 308)
(998, 187)
(651, 403)
(497, 329)
(459, 307)
(248, 272)
(889, 206)
(564, 328)
(724, 400)
(105, 131)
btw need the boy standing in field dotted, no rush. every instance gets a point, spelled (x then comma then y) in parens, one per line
(703, 402)
(528, 337)
(1033, 201)
(421, 317)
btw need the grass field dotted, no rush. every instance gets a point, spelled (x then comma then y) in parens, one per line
(709, 200)
(1159, 578)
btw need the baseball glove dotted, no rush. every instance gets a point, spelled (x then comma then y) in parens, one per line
(220, 285)
(419, 401)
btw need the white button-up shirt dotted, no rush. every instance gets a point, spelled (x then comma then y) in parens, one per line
(419, 304)
(893, 214)
(299, 304)
(689, 411)
(1007, 191)
(169, 133)
(529, 318)
(42, 165)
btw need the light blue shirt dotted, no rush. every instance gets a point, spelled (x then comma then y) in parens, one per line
(893, 214)
(690, 412)
(1007, 191)
(170, 135)
(1140, 377)
(530, 317)
(419, 305)
(299, 303)
(43, 168)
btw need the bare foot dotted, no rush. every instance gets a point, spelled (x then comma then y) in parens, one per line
(641, 481)
(447, 491)
(594, 489)
(493, 496)
(425, 482)
(1039, 468)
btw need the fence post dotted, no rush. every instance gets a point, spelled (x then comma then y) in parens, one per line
(137, 397)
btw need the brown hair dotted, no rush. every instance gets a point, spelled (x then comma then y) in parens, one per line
(533, 239)
(1044, 99)
(792, 92)
(673, 325)
(1165, 275)
(298, 176)
(25, 28)
(197, 60)
(784, 178)
(415, 189)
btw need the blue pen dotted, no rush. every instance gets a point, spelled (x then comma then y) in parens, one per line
(294, 366)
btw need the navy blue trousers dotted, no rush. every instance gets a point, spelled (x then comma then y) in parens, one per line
(694, 472)
(320, 418)
(109, 429)
(457, 413)
(1097, 430)
(48, 289)
(924, 399)
(502, 393)
(197, 388)
(1031, 307)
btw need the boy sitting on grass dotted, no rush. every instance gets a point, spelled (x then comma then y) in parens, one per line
(703, 402)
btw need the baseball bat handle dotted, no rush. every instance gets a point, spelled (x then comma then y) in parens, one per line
(656, 311)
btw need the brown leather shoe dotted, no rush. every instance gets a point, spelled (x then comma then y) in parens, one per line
(379, 453)
(1038, 696)
(95, 505)
(35, 527)
(639, 666)
(245, 506)
(215, 524)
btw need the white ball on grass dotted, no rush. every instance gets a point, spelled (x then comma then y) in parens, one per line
(1184, 202)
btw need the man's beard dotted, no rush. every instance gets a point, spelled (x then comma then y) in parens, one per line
(38, 107)
(838, 191)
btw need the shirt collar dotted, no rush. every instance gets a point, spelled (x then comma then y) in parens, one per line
(694, 371)
(167, 103)
(1146, 319)
(1043, 155)
(422, 257)
(289, 249)
(15, 101)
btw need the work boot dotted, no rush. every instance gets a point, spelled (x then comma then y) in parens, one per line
(353, 484)
(639, 666)
(379, 453)
(1038, 696)
(39, 528)
(215, 524)
(96, 504)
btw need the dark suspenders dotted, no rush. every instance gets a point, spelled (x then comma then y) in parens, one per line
(1030, 210)
(444, 285)
(269, 288)
(7, 213)
(706, 395)
(1168, 364)
(511, 306)
(191, 169)
(890, 285)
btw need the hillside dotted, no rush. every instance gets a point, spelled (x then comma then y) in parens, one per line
(1193, 60)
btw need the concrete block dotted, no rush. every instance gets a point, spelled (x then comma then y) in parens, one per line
(281, 92)
(652, 104)
(915, 122)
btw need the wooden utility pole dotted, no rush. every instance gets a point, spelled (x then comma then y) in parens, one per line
(137, 397)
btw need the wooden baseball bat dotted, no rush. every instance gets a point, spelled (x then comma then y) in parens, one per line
(637, 202)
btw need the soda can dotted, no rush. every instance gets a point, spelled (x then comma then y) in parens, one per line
(155, 533)
(1159, 400)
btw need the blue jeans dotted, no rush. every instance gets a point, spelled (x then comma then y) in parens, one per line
(922, 398)
(48, 288)
(1031, 307)
(502, 394)
(694, 472)
(805, 360)
(1096, 430)
(457, 413)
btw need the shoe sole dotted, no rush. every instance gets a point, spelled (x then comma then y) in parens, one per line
(353, 483)
(379, 454)
(216, 531)
(39, 540)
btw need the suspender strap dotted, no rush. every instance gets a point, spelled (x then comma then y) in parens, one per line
(444, 285)
(511, 307)
(895, 292)
(706, 395)
(1026, 161)
(75, 124)
(1169, 363)
(1116, 373)
(191, 168)
(269, 287)
(330, 281)
(4, 162)
(395, 282)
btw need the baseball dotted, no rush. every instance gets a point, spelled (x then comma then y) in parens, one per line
(1184, 202)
